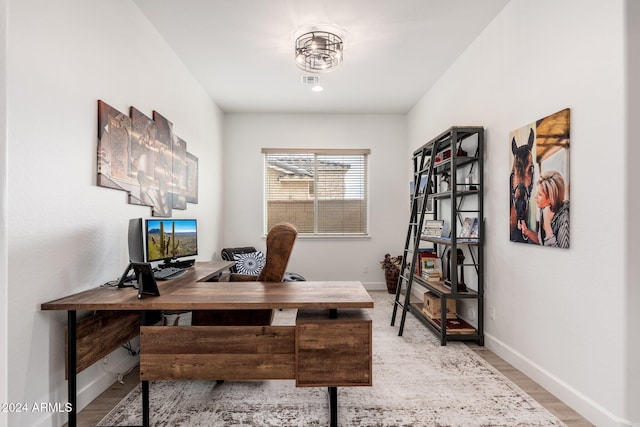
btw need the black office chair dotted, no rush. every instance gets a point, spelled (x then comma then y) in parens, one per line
(228, 254)
(280, 240)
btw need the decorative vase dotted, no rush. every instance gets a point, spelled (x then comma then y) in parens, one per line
(391, 276)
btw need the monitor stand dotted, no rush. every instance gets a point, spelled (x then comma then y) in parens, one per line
(177, 264)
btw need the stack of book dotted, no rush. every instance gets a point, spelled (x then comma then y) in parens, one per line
(430, 266)
(432, 275)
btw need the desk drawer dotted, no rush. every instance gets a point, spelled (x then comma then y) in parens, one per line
(333, 352)
(217, 352)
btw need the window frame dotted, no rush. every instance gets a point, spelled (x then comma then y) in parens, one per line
(363, 180)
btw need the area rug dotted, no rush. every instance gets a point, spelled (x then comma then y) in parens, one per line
(416, 382)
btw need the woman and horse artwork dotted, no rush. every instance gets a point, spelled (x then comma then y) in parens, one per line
(539, 182)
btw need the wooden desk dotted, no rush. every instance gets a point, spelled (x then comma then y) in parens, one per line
(322, 349)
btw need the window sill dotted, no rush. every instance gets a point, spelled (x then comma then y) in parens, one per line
(331, 237)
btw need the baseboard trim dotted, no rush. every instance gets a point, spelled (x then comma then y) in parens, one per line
(375, 286)
(100, 380)
(580, 403)
(104, 379)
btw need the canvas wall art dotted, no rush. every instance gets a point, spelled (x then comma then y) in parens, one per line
(539, 182)
(145, 158)
(192, 179)
(114, 136)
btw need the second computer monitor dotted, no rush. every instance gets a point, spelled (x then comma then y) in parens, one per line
(169, 239)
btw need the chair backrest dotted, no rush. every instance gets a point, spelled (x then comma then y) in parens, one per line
(280, 240)
(228, 254)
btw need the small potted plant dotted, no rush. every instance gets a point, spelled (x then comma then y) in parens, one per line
(391, 266)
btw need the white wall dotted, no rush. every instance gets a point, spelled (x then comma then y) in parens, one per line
(4, 302)
(632, 197)
(569, 324)
(561, 315)
(65, 234)
(320, 259)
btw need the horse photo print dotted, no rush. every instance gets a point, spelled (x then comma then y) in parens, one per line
(539, 182)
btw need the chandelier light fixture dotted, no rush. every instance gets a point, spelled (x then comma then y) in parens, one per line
(318, 51)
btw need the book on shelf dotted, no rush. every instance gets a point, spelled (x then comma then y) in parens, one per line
(455, 326)
(434, 277)
(446, 154)
(427, 253)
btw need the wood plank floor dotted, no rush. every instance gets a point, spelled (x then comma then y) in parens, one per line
(554, 405)
(97, 409)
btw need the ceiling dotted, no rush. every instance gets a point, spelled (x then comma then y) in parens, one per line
(241, 51)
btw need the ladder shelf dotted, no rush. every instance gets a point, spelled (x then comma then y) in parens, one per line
(448, 187)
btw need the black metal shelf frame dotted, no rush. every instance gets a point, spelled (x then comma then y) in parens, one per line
(429, 173)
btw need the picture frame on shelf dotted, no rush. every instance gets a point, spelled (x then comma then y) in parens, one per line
(429, 263)
(431, 268)
(426, 188)
(433, 228)
(421, 190)
(423, 184)
(469, 229)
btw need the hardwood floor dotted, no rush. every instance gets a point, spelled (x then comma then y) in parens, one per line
(97, 409)
(554, 405)
(101, 405)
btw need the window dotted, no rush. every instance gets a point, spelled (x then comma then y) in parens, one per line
(321, 192)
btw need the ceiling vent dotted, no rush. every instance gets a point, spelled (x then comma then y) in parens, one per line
(310, 80)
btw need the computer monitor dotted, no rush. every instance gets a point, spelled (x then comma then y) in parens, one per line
(169, 239)
(135, 240)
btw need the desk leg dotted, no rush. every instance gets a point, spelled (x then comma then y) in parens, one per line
(333, 391)
(71, 367)
(333, 406)
(145, 403)
(144, 320)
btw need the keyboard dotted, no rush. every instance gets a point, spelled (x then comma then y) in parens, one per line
(168, 273)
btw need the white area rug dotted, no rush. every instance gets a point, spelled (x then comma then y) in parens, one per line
(416, 382)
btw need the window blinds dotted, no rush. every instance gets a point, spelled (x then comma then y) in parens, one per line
(321, 192)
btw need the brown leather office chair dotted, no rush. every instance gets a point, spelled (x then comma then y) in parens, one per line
(280, 240)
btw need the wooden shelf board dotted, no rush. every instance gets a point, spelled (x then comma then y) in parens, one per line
(454, 326)
(448, 241)
(440, 289)
(460, 161)
(459, 193)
